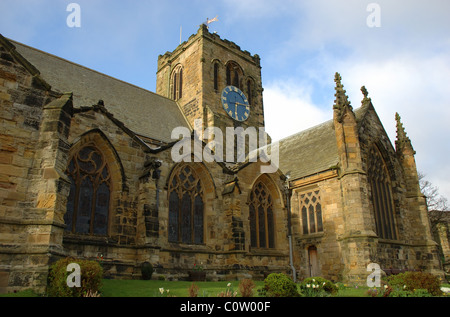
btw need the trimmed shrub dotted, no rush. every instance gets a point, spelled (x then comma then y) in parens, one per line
(411, 281)
(146, 270)
(279, 285)
(317, 286)
(91, 278)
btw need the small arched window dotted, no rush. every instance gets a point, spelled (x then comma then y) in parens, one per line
(177, 83)
(233, 74)
(216, 76)
(261, 215)
(90, 189)
(250, 91)
(186, 207)
(382, 201)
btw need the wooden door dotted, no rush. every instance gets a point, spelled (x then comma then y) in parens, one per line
(313, 262)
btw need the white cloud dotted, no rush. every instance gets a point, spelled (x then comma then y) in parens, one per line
(416, 88)
(288, 109)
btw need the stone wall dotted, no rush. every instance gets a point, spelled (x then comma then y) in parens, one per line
(33, 147)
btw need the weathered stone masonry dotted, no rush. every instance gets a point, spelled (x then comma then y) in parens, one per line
(86, 171)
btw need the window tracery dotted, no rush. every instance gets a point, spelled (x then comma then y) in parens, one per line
(90, 190)
(382, 201)
(186, 207)
(261, 217)
(311, 212)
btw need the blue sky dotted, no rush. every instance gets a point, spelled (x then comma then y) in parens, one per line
(404, 63)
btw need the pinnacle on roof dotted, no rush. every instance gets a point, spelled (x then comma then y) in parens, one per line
(402, 139)
(341, 100)
(341, 103)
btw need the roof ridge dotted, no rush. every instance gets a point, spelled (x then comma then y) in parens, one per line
(86, 68)
(305, 131)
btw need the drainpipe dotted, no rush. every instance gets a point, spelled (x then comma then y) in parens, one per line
(288, 193)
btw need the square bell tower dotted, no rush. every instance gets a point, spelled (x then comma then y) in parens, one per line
(196, 73)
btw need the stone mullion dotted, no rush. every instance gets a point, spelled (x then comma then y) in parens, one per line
(192, 211)
(390, 211)
(386, 222)
(77, 199)
(266, 226)
(256, 206)
(376, 208)
(379, 204)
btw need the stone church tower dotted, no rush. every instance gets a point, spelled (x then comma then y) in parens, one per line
(203, 66)
(87, 169)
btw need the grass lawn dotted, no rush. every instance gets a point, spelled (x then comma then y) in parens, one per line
(141, 288)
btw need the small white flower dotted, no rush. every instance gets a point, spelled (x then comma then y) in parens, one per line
(161, 290)
(323, 284)
(308, 285)
(229, 285)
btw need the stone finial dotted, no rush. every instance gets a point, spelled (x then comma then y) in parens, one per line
(341, 103)
(402, 139)
(365, 94)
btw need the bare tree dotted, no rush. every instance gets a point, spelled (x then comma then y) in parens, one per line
(437, 204)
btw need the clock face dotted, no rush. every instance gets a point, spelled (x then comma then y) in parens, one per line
(235, 103)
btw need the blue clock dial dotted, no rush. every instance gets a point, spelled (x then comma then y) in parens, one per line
(235, 103)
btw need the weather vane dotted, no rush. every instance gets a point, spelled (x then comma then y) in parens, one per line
(208, 21)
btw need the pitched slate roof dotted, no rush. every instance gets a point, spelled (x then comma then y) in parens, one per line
(313, 150)
(310, 151)
(144, 112)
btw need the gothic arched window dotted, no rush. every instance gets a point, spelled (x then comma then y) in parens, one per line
(186, 207)
(177, 83)
(90, 190)
(261, 217)
(311, 212)
(382, 201)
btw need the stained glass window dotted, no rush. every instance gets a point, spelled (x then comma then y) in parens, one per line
(90, 189)
(262, 230)
(186, 207)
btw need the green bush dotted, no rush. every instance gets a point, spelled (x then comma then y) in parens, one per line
(421, 293)
(406, 293)
(91, 278)
(279, 285)
(412, 281)
(317, 286)
(146, 270)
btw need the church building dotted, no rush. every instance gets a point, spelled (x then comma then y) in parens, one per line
(93, 167)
